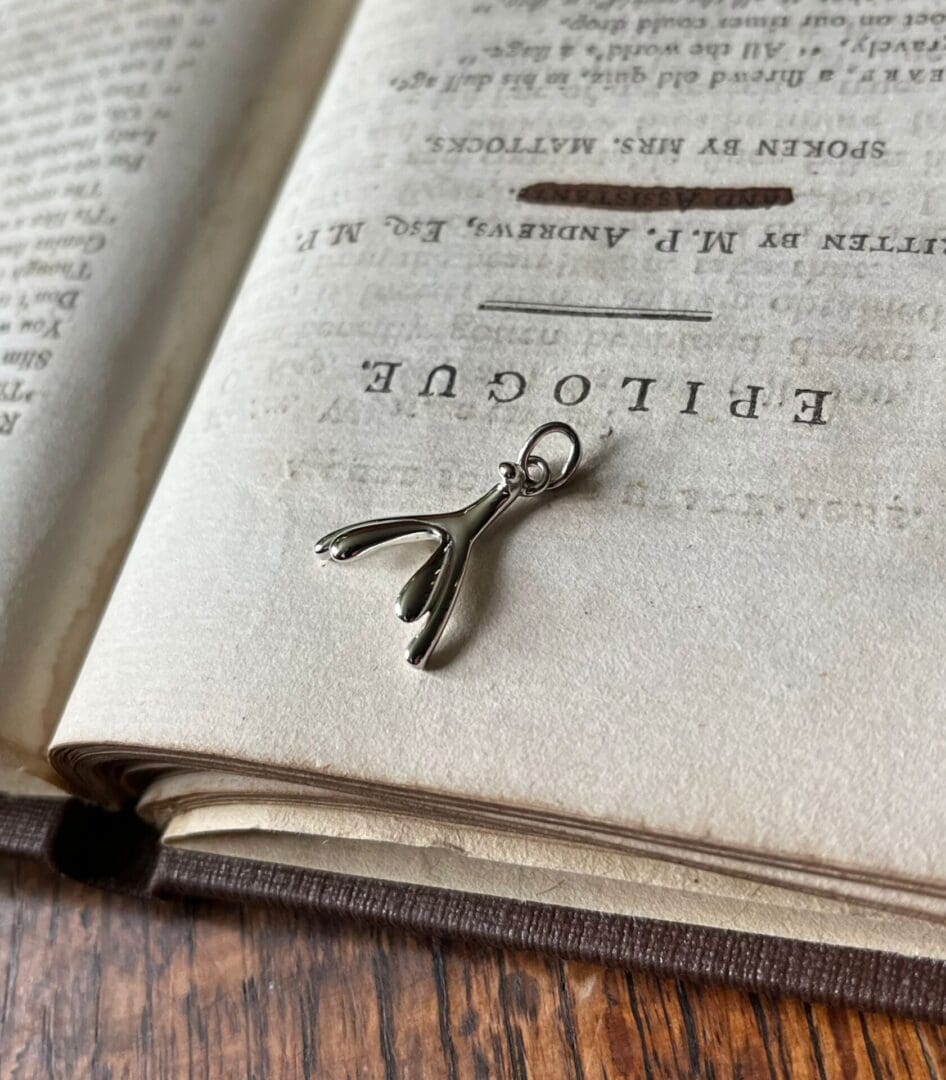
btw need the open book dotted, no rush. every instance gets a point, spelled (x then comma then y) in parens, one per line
(703, 684)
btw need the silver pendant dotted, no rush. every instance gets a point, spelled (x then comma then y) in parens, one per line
(433, 589)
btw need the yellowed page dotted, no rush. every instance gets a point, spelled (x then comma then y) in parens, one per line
(543, 872)
(177, 799)
(140, 145)
(724, 636)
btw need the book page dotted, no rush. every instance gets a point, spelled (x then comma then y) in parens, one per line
(140, 144)
(476, 861)
(712, 241)
(176, 802)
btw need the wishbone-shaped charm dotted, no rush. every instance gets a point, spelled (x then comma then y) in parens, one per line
(432, 590)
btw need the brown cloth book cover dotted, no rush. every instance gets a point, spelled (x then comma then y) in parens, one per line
(51, 830)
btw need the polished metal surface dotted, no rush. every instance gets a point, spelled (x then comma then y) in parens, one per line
(432, 590)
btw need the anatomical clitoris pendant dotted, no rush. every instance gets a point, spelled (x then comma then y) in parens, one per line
(432, 590)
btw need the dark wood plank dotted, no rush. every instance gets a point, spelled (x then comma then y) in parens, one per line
(102, 986)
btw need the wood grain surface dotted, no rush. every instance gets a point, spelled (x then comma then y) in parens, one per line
(103, 986)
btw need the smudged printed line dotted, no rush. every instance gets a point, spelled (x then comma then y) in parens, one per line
(595, 311)
(653, 199)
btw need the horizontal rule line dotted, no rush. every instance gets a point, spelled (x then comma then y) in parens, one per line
(595, 311)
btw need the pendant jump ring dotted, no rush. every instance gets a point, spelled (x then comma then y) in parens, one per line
(543, 474)
(526, 455)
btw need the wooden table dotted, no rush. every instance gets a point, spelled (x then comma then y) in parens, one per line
(102, 986)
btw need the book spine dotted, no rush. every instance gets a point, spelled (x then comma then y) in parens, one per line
(107, 849)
